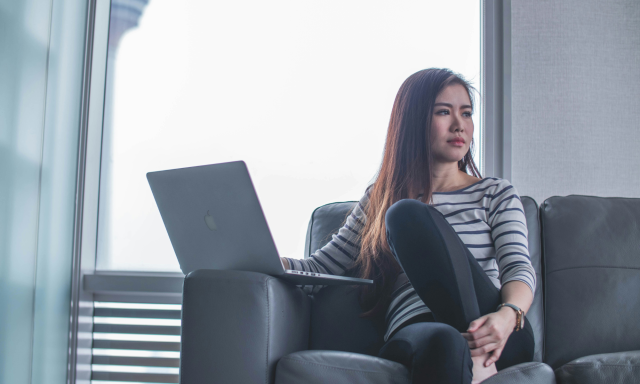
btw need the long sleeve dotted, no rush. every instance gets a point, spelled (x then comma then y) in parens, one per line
(339, 254)
(509, 233)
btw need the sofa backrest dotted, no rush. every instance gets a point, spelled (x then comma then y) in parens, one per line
(536, 311)
(335, 324)
(591, 254)
(325, 221)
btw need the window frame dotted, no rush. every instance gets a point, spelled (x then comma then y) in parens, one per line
(494, 147)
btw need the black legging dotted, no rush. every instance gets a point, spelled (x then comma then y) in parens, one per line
(452, 284)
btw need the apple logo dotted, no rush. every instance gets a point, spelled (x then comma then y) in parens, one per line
(210, 223)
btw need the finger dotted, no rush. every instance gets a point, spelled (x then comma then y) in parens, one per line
(467, 336)
(480, 333)
(484, 349)
(482, 341)
(495, 356)
(477, 323)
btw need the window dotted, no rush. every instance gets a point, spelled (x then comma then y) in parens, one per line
(301, 91)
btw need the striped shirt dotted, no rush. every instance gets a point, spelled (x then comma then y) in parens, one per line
(488, 216)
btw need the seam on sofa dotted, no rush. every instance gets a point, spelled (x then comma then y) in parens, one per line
(593, 266)
(239, 278)
(543, 272)
(181, 361)
(519, 370)
(587, 365)
(338, 368)
(310, 234)
(266, 290)
(539, 280)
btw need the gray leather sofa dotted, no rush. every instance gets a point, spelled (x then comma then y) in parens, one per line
(246, 327)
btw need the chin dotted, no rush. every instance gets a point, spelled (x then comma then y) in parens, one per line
(447, 160)
(451, 156)
(455, 158)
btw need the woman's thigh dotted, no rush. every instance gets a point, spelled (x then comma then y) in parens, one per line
(442, 270)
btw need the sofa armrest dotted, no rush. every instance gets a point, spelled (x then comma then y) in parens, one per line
(618, 367)
(525, 373)
(236, 326)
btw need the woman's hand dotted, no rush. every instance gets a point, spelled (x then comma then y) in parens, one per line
(489, 333)
(285, 263)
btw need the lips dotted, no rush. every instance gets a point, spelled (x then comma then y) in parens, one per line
(456, 140)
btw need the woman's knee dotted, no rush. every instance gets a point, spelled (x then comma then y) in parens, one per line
(406, 213)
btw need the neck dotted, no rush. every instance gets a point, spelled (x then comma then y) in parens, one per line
(446, 177)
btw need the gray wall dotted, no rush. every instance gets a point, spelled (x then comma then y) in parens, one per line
(576, 97)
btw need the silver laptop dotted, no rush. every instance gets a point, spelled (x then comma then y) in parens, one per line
(214, 221)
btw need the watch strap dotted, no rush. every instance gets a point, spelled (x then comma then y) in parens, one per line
(519, 314)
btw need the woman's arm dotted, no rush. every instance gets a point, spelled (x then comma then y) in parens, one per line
(340, 253)
(510, 236)
(517, 293)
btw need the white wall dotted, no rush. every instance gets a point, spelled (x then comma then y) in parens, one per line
(575, 94)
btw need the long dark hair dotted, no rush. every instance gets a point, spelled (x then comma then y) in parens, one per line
(405, 171)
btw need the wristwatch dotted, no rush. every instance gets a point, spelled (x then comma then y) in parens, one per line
(519, 315)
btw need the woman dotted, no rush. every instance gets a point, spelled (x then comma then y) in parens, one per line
(445, 248)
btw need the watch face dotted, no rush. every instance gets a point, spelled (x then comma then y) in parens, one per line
(520, 320)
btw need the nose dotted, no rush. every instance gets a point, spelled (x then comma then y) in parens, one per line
(457, 124)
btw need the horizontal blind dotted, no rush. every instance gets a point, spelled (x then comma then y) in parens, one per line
(135, 343)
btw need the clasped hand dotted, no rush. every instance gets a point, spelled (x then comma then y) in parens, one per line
(489, 334)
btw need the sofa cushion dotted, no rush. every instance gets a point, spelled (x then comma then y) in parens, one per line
(618, 368)
(335, 321)
(526, 373)
(591, 251)
(321, 367)
(535, 314)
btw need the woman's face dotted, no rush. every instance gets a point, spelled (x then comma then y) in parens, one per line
(451, 124)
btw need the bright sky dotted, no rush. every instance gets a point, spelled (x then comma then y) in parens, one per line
(300, 90)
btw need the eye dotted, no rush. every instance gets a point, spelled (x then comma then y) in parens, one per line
(467, 114)
(443, 112)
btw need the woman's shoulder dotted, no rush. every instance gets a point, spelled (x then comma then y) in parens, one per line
(500, 184)
(501, 190)
(473, 185)
(491, 183)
